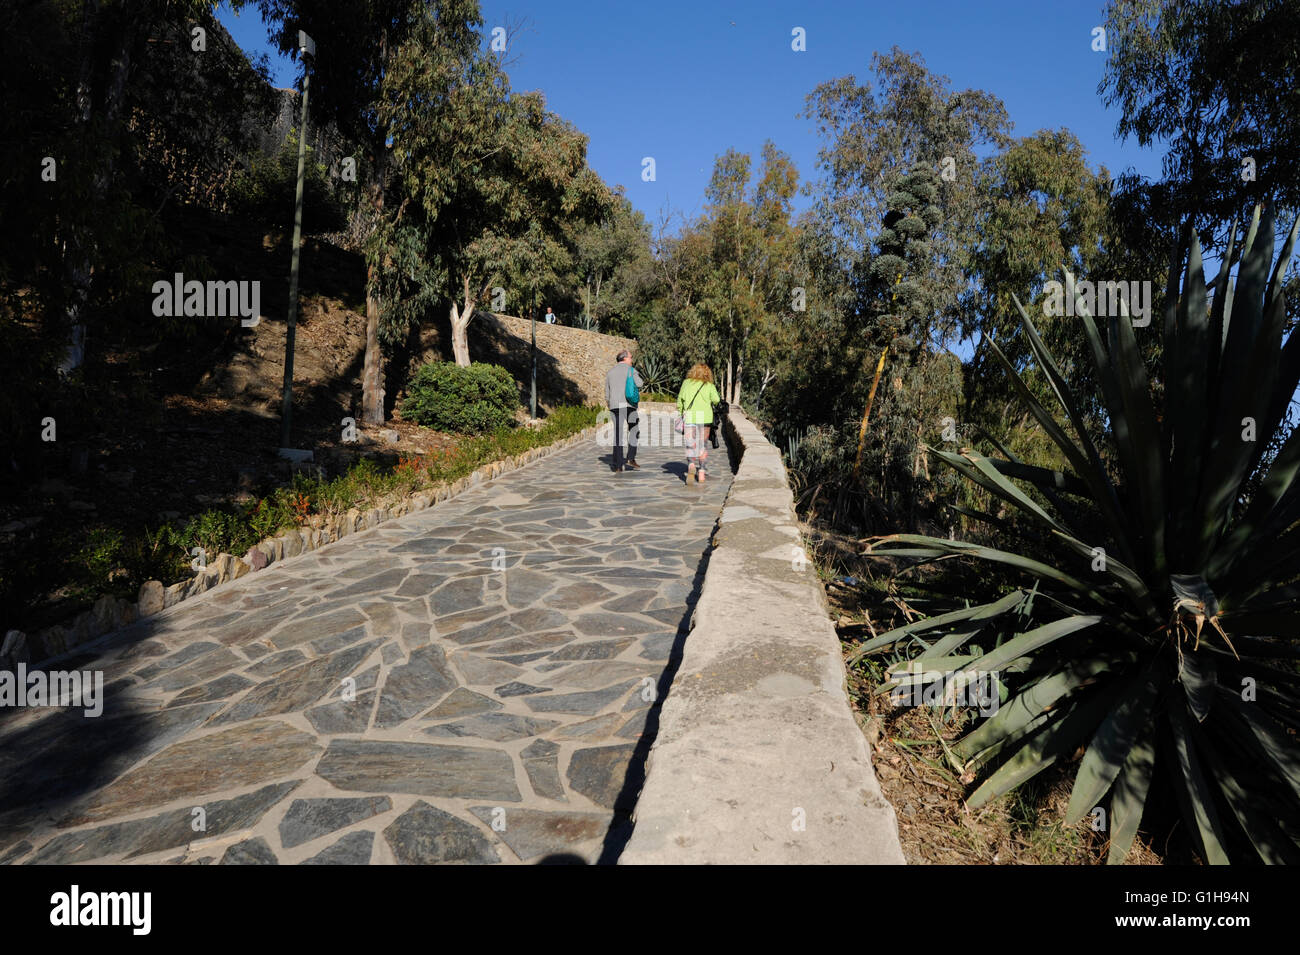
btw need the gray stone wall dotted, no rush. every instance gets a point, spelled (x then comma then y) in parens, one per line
(758, 758)
(581, 356)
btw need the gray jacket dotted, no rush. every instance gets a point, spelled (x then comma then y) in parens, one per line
(616, 385)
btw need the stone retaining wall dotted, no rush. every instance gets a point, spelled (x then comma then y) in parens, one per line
(111, 613)
(581, 356)
(758, 758)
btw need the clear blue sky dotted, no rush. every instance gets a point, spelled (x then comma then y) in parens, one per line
(683, 81)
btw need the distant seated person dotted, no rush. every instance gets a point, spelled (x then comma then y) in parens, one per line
(550, 316)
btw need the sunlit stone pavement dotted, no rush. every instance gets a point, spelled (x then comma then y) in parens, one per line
(470, 683)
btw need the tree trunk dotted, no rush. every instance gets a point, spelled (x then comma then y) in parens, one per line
(372, 369)
(76, 273)
(727, 377)
(737, 377)
(460, 333)
(78, 266)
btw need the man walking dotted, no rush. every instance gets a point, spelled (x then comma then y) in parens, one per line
(550, 316)
(622, 394)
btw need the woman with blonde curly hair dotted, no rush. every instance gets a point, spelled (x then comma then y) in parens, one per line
(695, 401)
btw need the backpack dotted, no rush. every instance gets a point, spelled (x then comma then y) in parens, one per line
(630, 391)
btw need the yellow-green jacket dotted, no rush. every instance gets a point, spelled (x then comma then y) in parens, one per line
(695, 401)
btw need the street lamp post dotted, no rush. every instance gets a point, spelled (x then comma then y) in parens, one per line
(307, 46)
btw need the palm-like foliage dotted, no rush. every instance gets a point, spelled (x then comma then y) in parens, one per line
(793, 443)
(654, 372)
(1162, 638)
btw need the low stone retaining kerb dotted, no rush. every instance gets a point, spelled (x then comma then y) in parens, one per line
(758, 758)
(111, 613)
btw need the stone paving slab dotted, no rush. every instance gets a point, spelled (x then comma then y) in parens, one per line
(469, 684)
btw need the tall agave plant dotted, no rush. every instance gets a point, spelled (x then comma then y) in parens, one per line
(1162, 636)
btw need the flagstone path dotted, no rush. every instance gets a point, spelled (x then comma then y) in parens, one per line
(470, 683)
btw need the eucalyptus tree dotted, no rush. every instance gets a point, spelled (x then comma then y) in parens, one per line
(1043, 207)
(84, 93)
(491, 175)
(896, 212)
(613, 271)
(1213, 80)
(114, 112)
(360, 45)
(739, 286)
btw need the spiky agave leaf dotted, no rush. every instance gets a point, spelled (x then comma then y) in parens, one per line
(1170, 626)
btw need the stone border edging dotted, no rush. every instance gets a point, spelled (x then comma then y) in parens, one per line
(111, 613)
(758, 758)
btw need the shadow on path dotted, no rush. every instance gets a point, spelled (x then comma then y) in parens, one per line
(620, 830)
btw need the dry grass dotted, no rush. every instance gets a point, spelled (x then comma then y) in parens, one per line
(934, 823)
(908, 744)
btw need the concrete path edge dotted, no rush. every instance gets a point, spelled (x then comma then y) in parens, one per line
(758, 758)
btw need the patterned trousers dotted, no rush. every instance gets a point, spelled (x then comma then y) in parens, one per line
(696, 439)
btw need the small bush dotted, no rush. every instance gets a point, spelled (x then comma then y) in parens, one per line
(266, 191)
(266, 516)
(471, 400)
(100, 555)
(155, 555)
(217, 532)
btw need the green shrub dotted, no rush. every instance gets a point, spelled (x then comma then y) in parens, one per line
(456, 462)
(266, 516)
(155, 555)
(266, 191)
(471, 400)
(569, 419)
(368, 479)
(99, 556)
(217, 532)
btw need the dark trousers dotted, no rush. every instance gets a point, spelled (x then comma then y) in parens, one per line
(629, 419)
